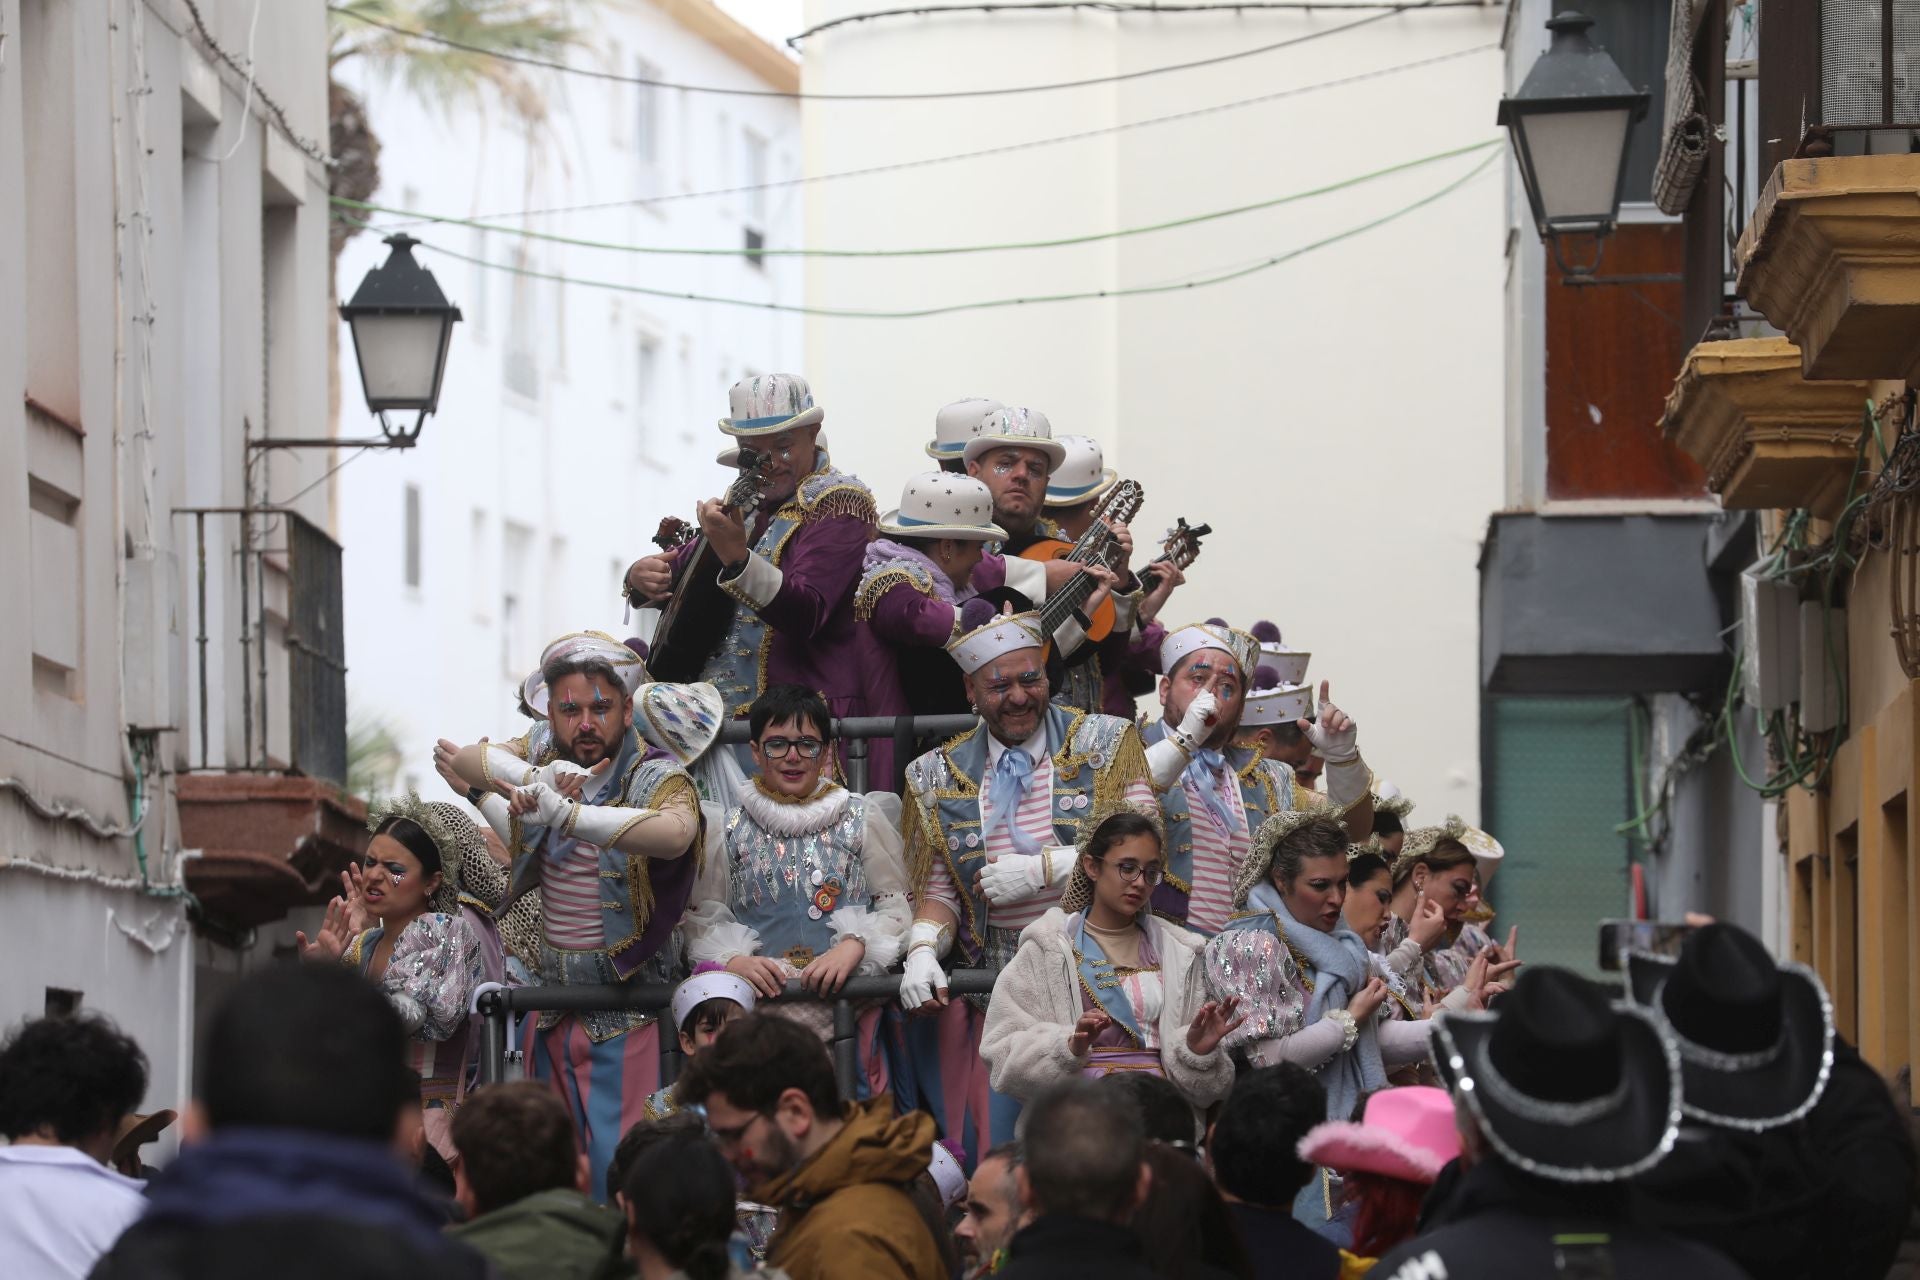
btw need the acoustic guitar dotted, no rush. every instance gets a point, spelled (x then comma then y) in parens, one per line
(698, 612)
(1096, 546)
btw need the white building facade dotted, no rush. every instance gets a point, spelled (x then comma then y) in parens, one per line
(1335, 416)
(574, 416)
(163, 309)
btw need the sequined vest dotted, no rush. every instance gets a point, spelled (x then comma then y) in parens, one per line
(785, 887)
(1266, 788)
(944, 789)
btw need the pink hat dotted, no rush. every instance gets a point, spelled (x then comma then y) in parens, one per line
(1407, 1134)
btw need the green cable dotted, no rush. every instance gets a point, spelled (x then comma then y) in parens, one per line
(942, 251)
(986, 304)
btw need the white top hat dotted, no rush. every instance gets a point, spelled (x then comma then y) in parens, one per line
(1084, 475)
(958, 423)
(715, 984)
(1206, 635)
(940, 504)
(770, 403)
(1003, 635)
(1022, 428)
(730, 456)
(948, 1176)
(1282, 704)
(1290, 663)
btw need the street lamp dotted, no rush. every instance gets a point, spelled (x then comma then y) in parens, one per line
(1570, 124)
(401, 325)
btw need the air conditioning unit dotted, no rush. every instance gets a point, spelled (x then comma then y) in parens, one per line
(1823, 659)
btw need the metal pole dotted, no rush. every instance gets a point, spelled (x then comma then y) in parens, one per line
(846, 1057)
(246, 648)
(260, 580)
(902, 752)
(493, 1037)
(200, 539)
(857, 765)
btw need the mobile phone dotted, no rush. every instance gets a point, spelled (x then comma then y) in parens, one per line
(1617, 937)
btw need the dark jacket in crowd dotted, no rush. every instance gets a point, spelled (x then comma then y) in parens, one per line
(1282, 1248)
(1497, 1223)
(295, 1206)
(1759, 1198)
(1063, 1247)
(1868, 1142)
(550, 1235)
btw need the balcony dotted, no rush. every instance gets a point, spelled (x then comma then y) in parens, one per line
(267, 843)
(1766, 436)
(1832, 259)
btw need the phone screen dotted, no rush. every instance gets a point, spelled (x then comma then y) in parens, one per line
(1661, 937)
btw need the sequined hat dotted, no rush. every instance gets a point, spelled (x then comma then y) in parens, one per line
(1487, 852)
(1083, 476)
(1755, 1037)
(730, 456)
(1422, 841)
(681, 719)
(1259, 862)
(958, 423)
(1078, 895)
(1276, 702)
(1288, 662)
(940, 504)
(712, 984)
(533, 692)
(588, 646)
(1007, 633)
(770, 403)
(1564, 1084)
(1021, 428)
(1407, 1133)
(1209, 635)
(1387, 798)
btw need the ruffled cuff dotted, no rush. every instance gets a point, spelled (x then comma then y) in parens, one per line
(713, 935)
(881, 928)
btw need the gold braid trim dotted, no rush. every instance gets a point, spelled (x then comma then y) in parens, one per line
(921, 830)
(878, 585)
(848, 499)
(1128, 766)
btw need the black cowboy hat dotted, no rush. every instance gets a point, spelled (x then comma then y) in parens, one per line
(1755, 1037)
(1563, 1083)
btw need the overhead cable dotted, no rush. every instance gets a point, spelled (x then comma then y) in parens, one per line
(990, 303)
(1128, 8)
(953, 157)
(930, 252)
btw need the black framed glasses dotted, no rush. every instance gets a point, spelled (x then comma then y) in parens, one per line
(1130, 871)
(777, 748)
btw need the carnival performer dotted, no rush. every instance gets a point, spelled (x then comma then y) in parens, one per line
(1100, 984)
(787, 581)
(991, 820)
(1214, 794)
(811, 884)
(614, 852)
(953, 426)
(702, 1007)
(1435, 869)
(918, 574)
(408, 928)
(1387, 1162)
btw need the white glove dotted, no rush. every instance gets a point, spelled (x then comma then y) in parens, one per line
(551, 773)
(550, 807)
(1198, 723)
(923, 975)
(1335, 746)
(1015, 877)
(602, 824)
(493, 807)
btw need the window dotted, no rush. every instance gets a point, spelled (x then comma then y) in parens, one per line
(753, 176)
(520, 366)
(646, 366)
(478, 579)
(46, 58)
(412, 518)
(649, 128)
(518, 649)
(482, 276)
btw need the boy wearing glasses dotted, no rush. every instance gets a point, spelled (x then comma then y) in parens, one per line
(813, 883)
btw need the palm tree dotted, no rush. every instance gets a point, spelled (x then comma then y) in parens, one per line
(441, 75)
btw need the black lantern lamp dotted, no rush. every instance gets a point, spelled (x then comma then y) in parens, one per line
(402, 325)
(1570, 124)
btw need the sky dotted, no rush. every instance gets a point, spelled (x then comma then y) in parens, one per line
(772, 20)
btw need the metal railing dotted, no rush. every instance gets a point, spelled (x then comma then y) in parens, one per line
(497, 1007)
(855, 731)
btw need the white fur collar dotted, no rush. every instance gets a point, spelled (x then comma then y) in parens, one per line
(782, 817)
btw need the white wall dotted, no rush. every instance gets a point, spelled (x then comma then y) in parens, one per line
(137, 177)
(1337, 418)
(549, 496)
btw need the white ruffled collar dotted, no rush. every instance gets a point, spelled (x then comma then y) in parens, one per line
(782, 817)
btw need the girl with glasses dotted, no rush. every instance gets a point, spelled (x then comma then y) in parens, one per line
(1100, 984)
(813, 882)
